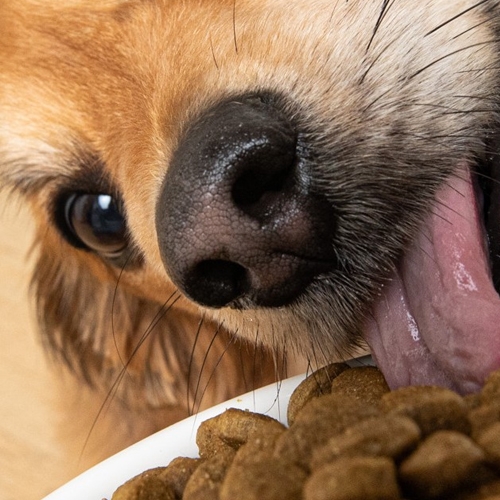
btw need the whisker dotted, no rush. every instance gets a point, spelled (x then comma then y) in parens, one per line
(372, 64)
(202, 367)
(243, 373)
(486, 176)
(460, 14)
(113, 303)
(228, 344)
(472, 28)
(191, 362)
(254, 363)
(279, 381)
(164, 309)
(377, 99)
(324, 357)
(451, 54)
(314, 357)
(387, 4)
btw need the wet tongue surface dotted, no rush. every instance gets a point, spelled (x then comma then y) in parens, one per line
(438, 321)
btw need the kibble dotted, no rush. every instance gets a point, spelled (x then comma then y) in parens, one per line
(349, 438)
(445, 462)
(354, 478)
(432, 408)
(392, 436)
(317, 384)
(366, 384)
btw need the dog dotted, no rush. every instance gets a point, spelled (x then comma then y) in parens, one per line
(223, 189)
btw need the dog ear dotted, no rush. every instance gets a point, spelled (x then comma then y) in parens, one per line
(143, 353)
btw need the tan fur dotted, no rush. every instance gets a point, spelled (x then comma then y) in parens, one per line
(117, 83)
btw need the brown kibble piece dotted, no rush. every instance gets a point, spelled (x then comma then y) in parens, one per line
(266, 479)
(317, 384)
(364, 383)
(483, 417)
(231, 429)
(432, 408)
(491, 389)
(258, 447)
(146, 486)
(178, 472)
(206, 480)
(490, 442)
(354, 478)
(390, 435)
(321, 419)
(443, 463)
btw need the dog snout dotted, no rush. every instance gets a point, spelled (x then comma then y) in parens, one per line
(236, 220)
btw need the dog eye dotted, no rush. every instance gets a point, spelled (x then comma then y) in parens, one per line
(96, 222)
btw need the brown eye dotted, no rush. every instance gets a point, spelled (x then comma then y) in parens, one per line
(97, 223)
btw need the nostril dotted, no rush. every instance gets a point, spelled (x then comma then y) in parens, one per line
(216, 283)
(266, 159)
(250, 187)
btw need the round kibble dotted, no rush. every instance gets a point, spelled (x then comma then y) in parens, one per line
(432, 408)
(317, 384)
(259, 447)
(490, 443)
(178, 472)
(206, 481)
(445, 462)
(146, 486)
(321, 419)
(364, 383)
(491, 390)
(392, 436)
(231, 429)
(482, 417)
(354, 478)
(265, 479)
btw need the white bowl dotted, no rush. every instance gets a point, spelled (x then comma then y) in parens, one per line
(178, 440)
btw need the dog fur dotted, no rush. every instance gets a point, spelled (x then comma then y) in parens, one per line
(98, 96)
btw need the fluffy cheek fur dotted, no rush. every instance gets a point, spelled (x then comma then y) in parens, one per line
(149, 354)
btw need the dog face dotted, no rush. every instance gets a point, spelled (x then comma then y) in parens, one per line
(302, 176)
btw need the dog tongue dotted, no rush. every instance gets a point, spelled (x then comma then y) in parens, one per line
(438, 321)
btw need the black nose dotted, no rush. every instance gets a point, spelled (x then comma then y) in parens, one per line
(235, 217)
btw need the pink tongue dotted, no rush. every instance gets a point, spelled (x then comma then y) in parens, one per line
(438, 321)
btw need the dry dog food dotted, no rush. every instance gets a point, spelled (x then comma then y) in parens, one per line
(349, 438)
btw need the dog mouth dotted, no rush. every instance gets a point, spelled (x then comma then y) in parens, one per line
(435, 321)
(438, 319)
